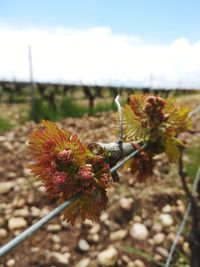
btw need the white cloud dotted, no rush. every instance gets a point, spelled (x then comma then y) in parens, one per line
(97, 56)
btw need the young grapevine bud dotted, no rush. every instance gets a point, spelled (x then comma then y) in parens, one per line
(59, 178)
(66, 156)
(85, 172)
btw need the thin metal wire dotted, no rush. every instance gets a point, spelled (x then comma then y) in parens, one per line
(194, 111)
(29, 231)
(182, 225)
(120, 121)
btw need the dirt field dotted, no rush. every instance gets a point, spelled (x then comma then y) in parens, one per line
(136, 230)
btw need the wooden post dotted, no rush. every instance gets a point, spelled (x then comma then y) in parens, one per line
(31, 84)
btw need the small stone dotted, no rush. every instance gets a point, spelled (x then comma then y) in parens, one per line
(8, 146)
(186, 247)
(88, 222)
(27, 172)
(138, 263)
(2, 138)
(159, 238)
(53, 227)
(125, 259)
(104, 216)
(166, 219)
(126, 203)
(137, 219)
(162, 251)
(22, 212)
(167, 209)
(10, 263)
(5, 187)
(44, 211)
(148, 223)
(35, 249)
(56, 238)
(108, 257)
(118, 235)
(95, 229)
(171, 237)
(35, 212)
(56, 257)
(94, 238)
(157, 257)
(56, 247)
(83, 245)
(83, 263)
(3, 233)
(181, 208)
(157, 227)
(131, 264)
(139, 231)
(16, 223)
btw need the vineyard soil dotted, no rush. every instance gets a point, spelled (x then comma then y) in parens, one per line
(138, 226)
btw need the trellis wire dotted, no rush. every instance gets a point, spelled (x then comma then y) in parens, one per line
(28, 232)
(194, 111)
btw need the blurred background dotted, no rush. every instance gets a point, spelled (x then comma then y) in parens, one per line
(66, 61)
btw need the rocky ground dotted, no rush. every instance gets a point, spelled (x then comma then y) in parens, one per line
(136, 230)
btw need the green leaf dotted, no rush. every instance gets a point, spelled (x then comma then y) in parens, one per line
(171, 147)
(133, 130)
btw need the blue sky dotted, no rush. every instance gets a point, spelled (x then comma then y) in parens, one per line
(143, 42)
(155, 20)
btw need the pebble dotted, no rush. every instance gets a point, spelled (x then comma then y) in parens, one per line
(53, 227)
(181, 208)
(138, 263)
(162, 251)
(27, 172)
(167, 209)
(118, 235)
(22, 212)
(8, 146)
(35, 212)
(139, 231)
(11, 174)
(56, 238)
(95, 229)
(3, 233)
(2, 138)
(157, 257)
(108, 257)
(56, 257)
(186, 247)
(83, 245)
(137, 219)
(5, 187)
(157, 227)
(94, 238)
(166, 219)
(35, 249)
(83, 263)
(158, 238)
(10, 263)
(126, 203)
(171, 237)
(16, 223)
(104, 216)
